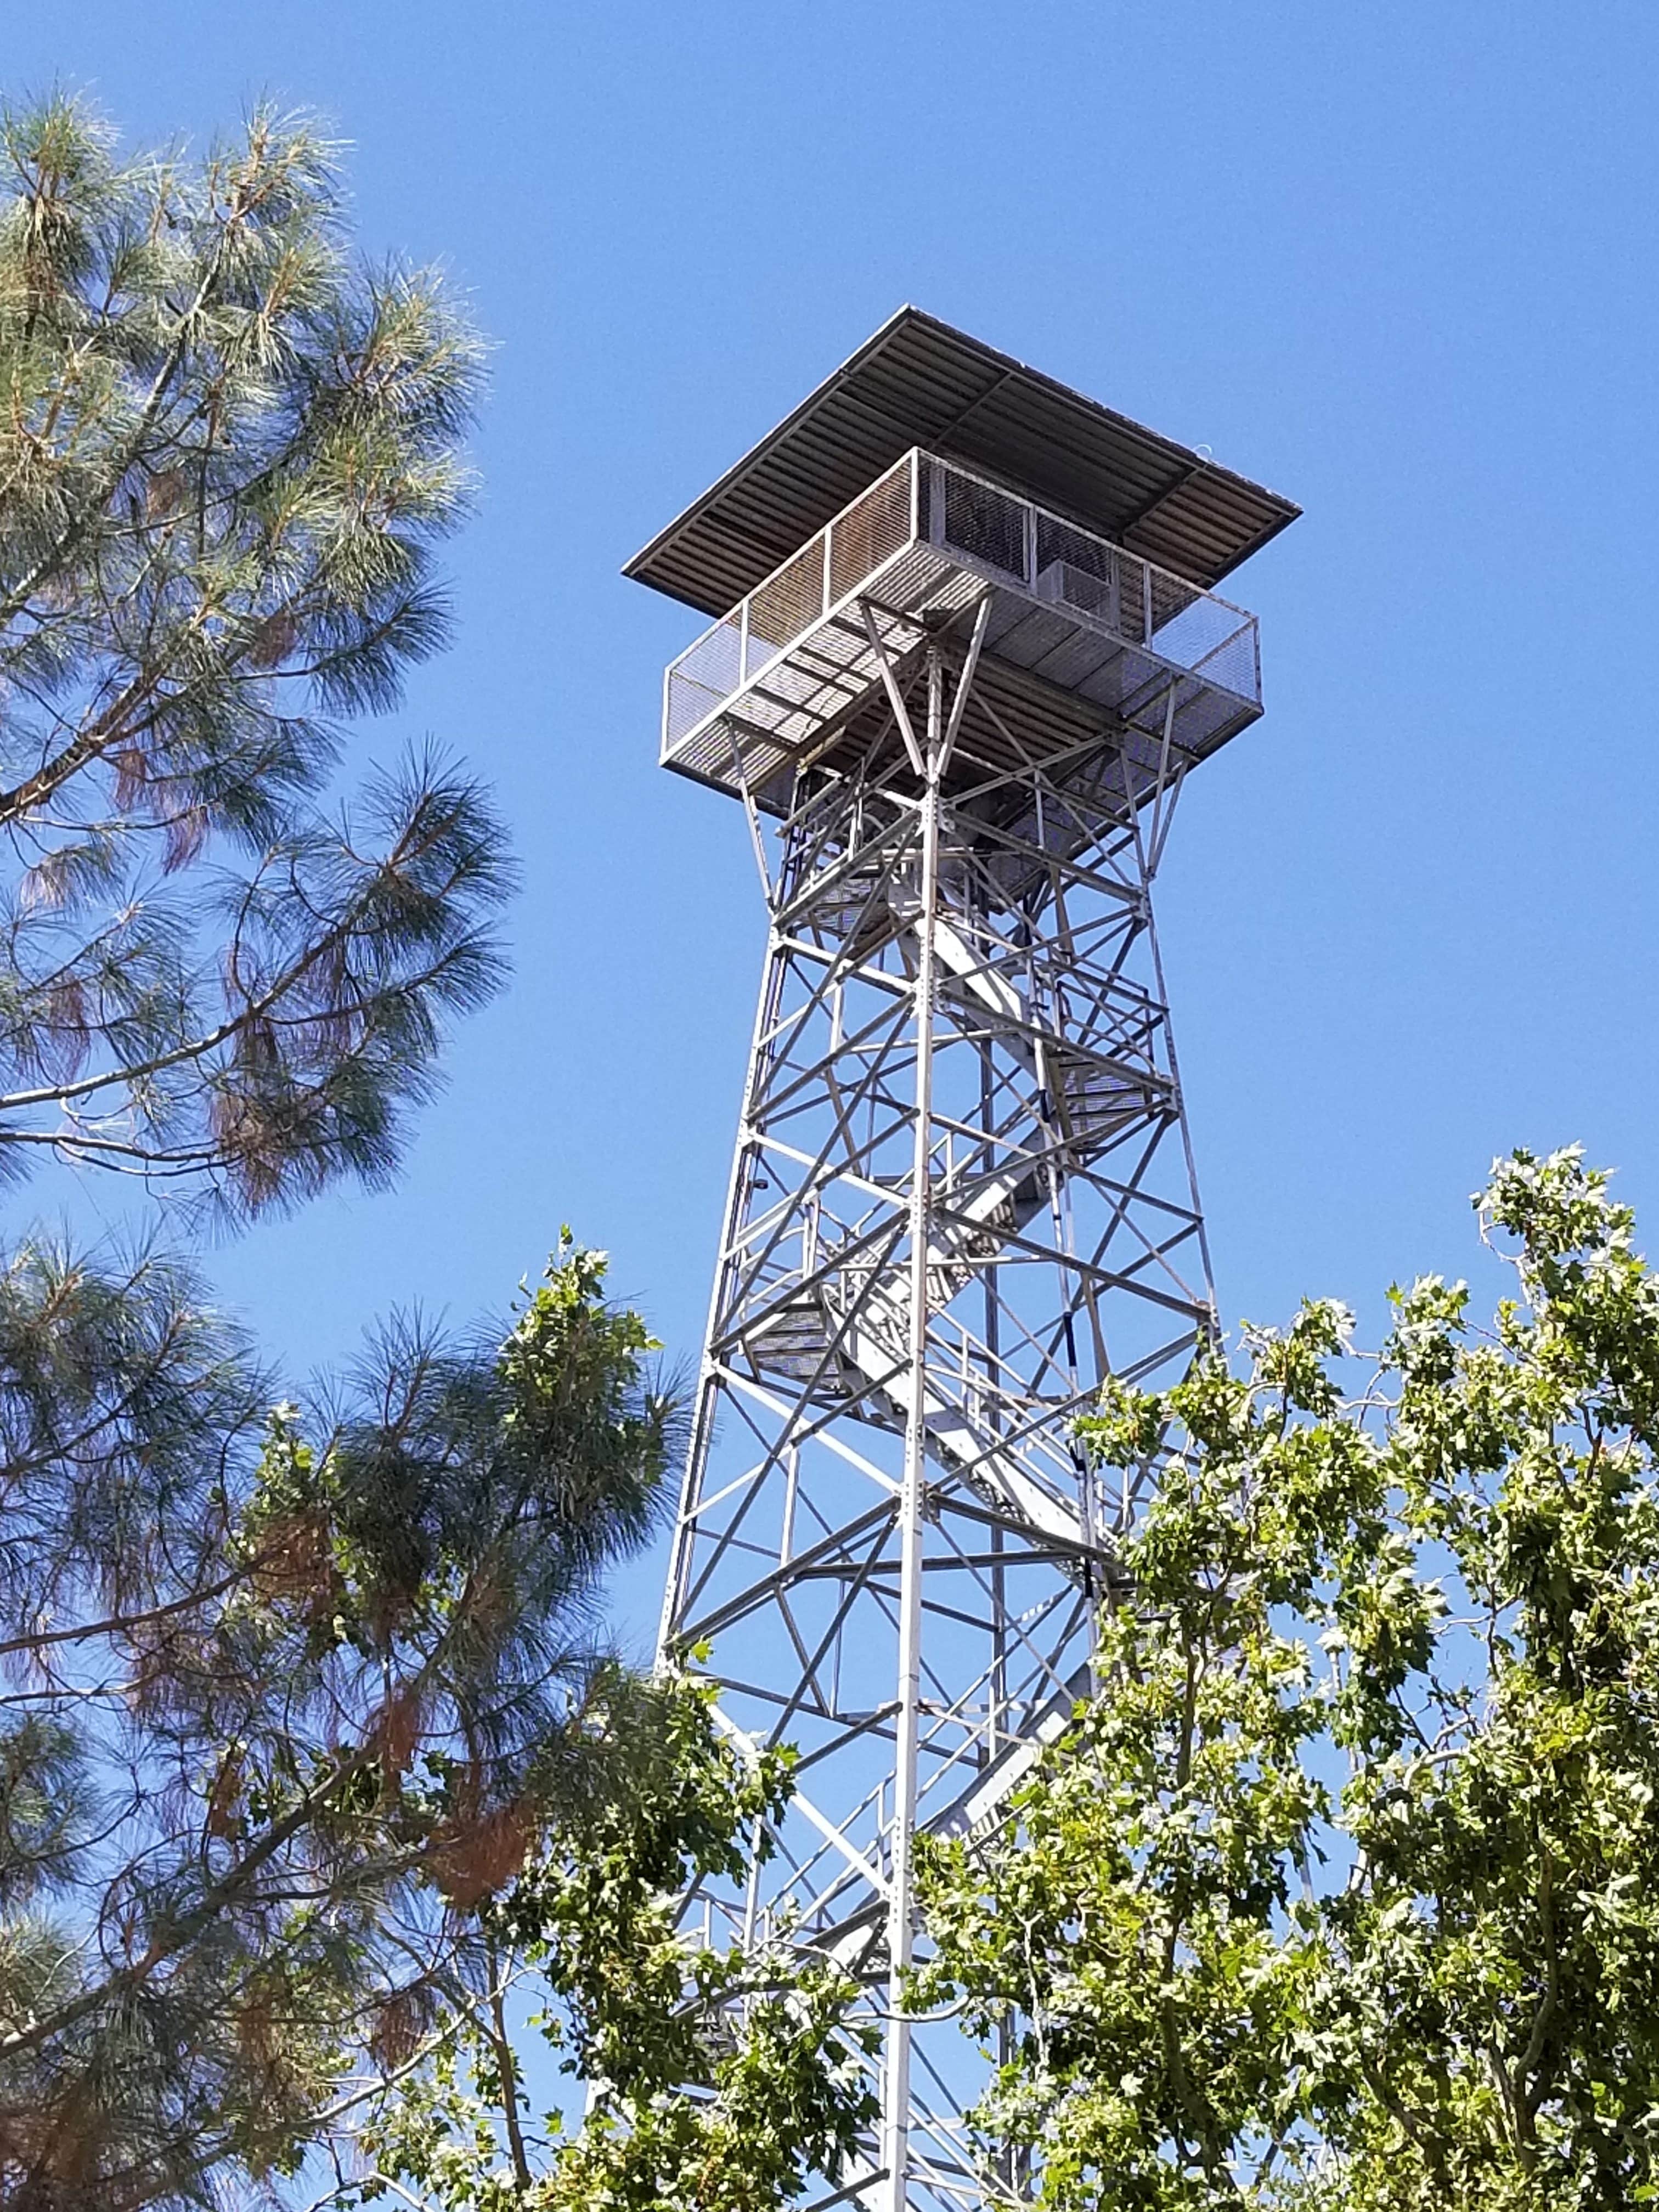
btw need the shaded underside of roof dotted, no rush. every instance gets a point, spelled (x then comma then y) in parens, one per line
(919, 382)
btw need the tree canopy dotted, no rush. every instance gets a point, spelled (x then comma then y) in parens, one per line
(717, 2076)
(1344, 1888)
(228, 450)
(311, 1758)
(287, 1697)
(286, 1691)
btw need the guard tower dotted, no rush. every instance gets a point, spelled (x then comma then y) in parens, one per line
(966, 650)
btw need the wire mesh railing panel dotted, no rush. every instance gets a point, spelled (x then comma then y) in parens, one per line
(689, 701)
(1236, 663)
(785, 604)
(1090, 594)
(1079, 548)
(872, 529)
(1084, 571)
(1067, 566)
(1168, 598)
(715, 660)
(973, 518)
(964, 530)
(706, 672)
(1191, 632)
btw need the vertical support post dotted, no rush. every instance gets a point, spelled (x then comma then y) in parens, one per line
(1146, 861)
(1212, 1312)
(901, 1926)
(702, 1433)
(991, 1325)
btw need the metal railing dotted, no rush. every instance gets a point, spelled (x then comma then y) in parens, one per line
(829, 569)
(1056, 561)
(923, 500)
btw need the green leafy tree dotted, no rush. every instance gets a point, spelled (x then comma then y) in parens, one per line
(290, 1697)
(228, 453)
(1344, 1889)
(714, 2076)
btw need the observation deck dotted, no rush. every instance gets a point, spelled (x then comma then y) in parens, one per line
(1101, 634)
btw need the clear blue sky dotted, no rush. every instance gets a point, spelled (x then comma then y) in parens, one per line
(1398, 262)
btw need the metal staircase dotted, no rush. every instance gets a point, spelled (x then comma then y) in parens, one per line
(853, 1323)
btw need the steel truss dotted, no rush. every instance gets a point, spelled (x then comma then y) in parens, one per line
(963, 1194)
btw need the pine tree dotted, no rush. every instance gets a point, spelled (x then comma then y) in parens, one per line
(228, 453)
(286, 1693)
(288, 1698)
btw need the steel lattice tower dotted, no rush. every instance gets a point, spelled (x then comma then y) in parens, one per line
(958, 711)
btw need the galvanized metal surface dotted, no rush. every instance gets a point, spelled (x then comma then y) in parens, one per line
(962, 1192)
(920, 382)
(961, 1195)
(774, 686)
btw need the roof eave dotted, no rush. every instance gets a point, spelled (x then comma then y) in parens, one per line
(1188, 477)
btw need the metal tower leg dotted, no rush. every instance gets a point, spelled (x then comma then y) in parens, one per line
(900, 1915)
(961, 1194)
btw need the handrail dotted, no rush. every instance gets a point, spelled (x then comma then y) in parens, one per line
(922, 499)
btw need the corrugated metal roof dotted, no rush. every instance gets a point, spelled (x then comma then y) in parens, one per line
(919, 382)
